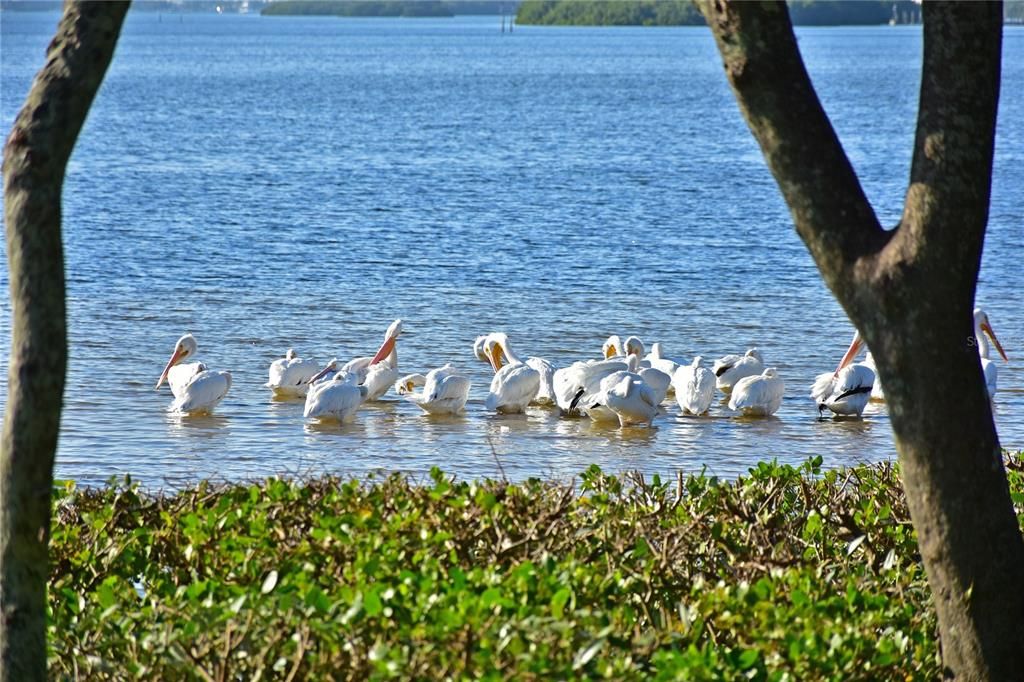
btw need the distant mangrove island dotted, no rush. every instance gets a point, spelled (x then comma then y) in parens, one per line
(684, 13)
(614, 12)
(387, 8)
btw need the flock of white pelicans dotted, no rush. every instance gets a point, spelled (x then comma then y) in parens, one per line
(624, 385)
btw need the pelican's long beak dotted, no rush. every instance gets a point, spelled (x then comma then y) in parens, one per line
(321, 374)
(385, 350)
(985, 327)
(609, 352)
(175, 358)
(851, 353)
(494, 356)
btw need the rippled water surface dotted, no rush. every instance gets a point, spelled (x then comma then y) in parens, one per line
(268, 183)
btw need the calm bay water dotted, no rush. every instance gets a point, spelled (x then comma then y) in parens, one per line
(301, 182)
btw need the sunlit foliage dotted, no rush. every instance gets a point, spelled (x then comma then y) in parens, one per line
(787, 573)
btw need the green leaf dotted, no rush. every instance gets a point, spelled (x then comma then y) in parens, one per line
(372, 603)
(749, 658)
(559, 601)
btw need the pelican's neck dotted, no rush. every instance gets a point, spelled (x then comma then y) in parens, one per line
(633, 363)
(979, 334)
(512, 358)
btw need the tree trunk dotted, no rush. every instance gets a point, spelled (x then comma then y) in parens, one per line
(35, 157)
(911, 293)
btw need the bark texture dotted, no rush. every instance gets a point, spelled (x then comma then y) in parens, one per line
(910, 291)
(35, 158)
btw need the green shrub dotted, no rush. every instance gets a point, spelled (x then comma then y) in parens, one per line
(785, 574)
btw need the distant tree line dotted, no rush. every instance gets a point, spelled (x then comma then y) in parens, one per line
(609, 13)
(683, 13)
(388, 8)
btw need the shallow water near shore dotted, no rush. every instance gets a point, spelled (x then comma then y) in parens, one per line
(267, 183)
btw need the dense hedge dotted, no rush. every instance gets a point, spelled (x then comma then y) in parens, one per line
(788, 573)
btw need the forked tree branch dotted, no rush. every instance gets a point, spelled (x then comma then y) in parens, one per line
(947, 203)
(774, 91)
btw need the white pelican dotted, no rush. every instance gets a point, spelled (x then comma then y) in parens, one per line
(695, 387)
(633, 400)
(633, 346)
(658, 380)
(290, 375)
(195, 388)
(732, 368)
(499, 344)
(514, 385)
(337, 399)
(625, 396)
(594, 402)
(758, 396)
(445, 390)
(576, 384)
(981, 329)
(658, 361)
(612, 348)
(379, 372)
(846, 391)
(407, 384)
(877, 392)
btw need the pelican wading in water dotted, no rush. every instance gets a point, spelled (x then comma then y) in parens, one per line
(515, 384)
(379, 371)
(625, 396)
(847, 390)
(196, 390)
(758, 396)
(290, 375)
(337, 399)
(659, 381)
(730, 369)
(576, 385)
(445, 390)
(982, 328)
(495, 349)
(695, 387)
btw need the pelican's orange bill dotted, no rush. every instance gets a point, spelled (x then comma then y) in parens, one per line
(175, 356)
(385, 350)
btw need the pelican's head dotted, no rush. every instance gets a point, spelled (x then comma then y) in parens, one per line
(408, 383)
(754, 353)
(697, 360)
(634, 346)
(770, 373)
(479, 348)
(331, 366)
(612, 347)
(390, 337)
(494, 351)
(290, 355)
(981, 324)
(185, 348)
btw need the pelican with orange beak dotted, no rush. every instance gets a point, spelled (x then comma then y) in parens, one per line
(982, 328)
(515, 384)
(846, 391)
(381, 371)
(495, 349)
(196, 390)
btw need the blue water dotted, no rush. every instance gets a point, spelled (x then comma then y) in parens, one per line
(268, 183)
